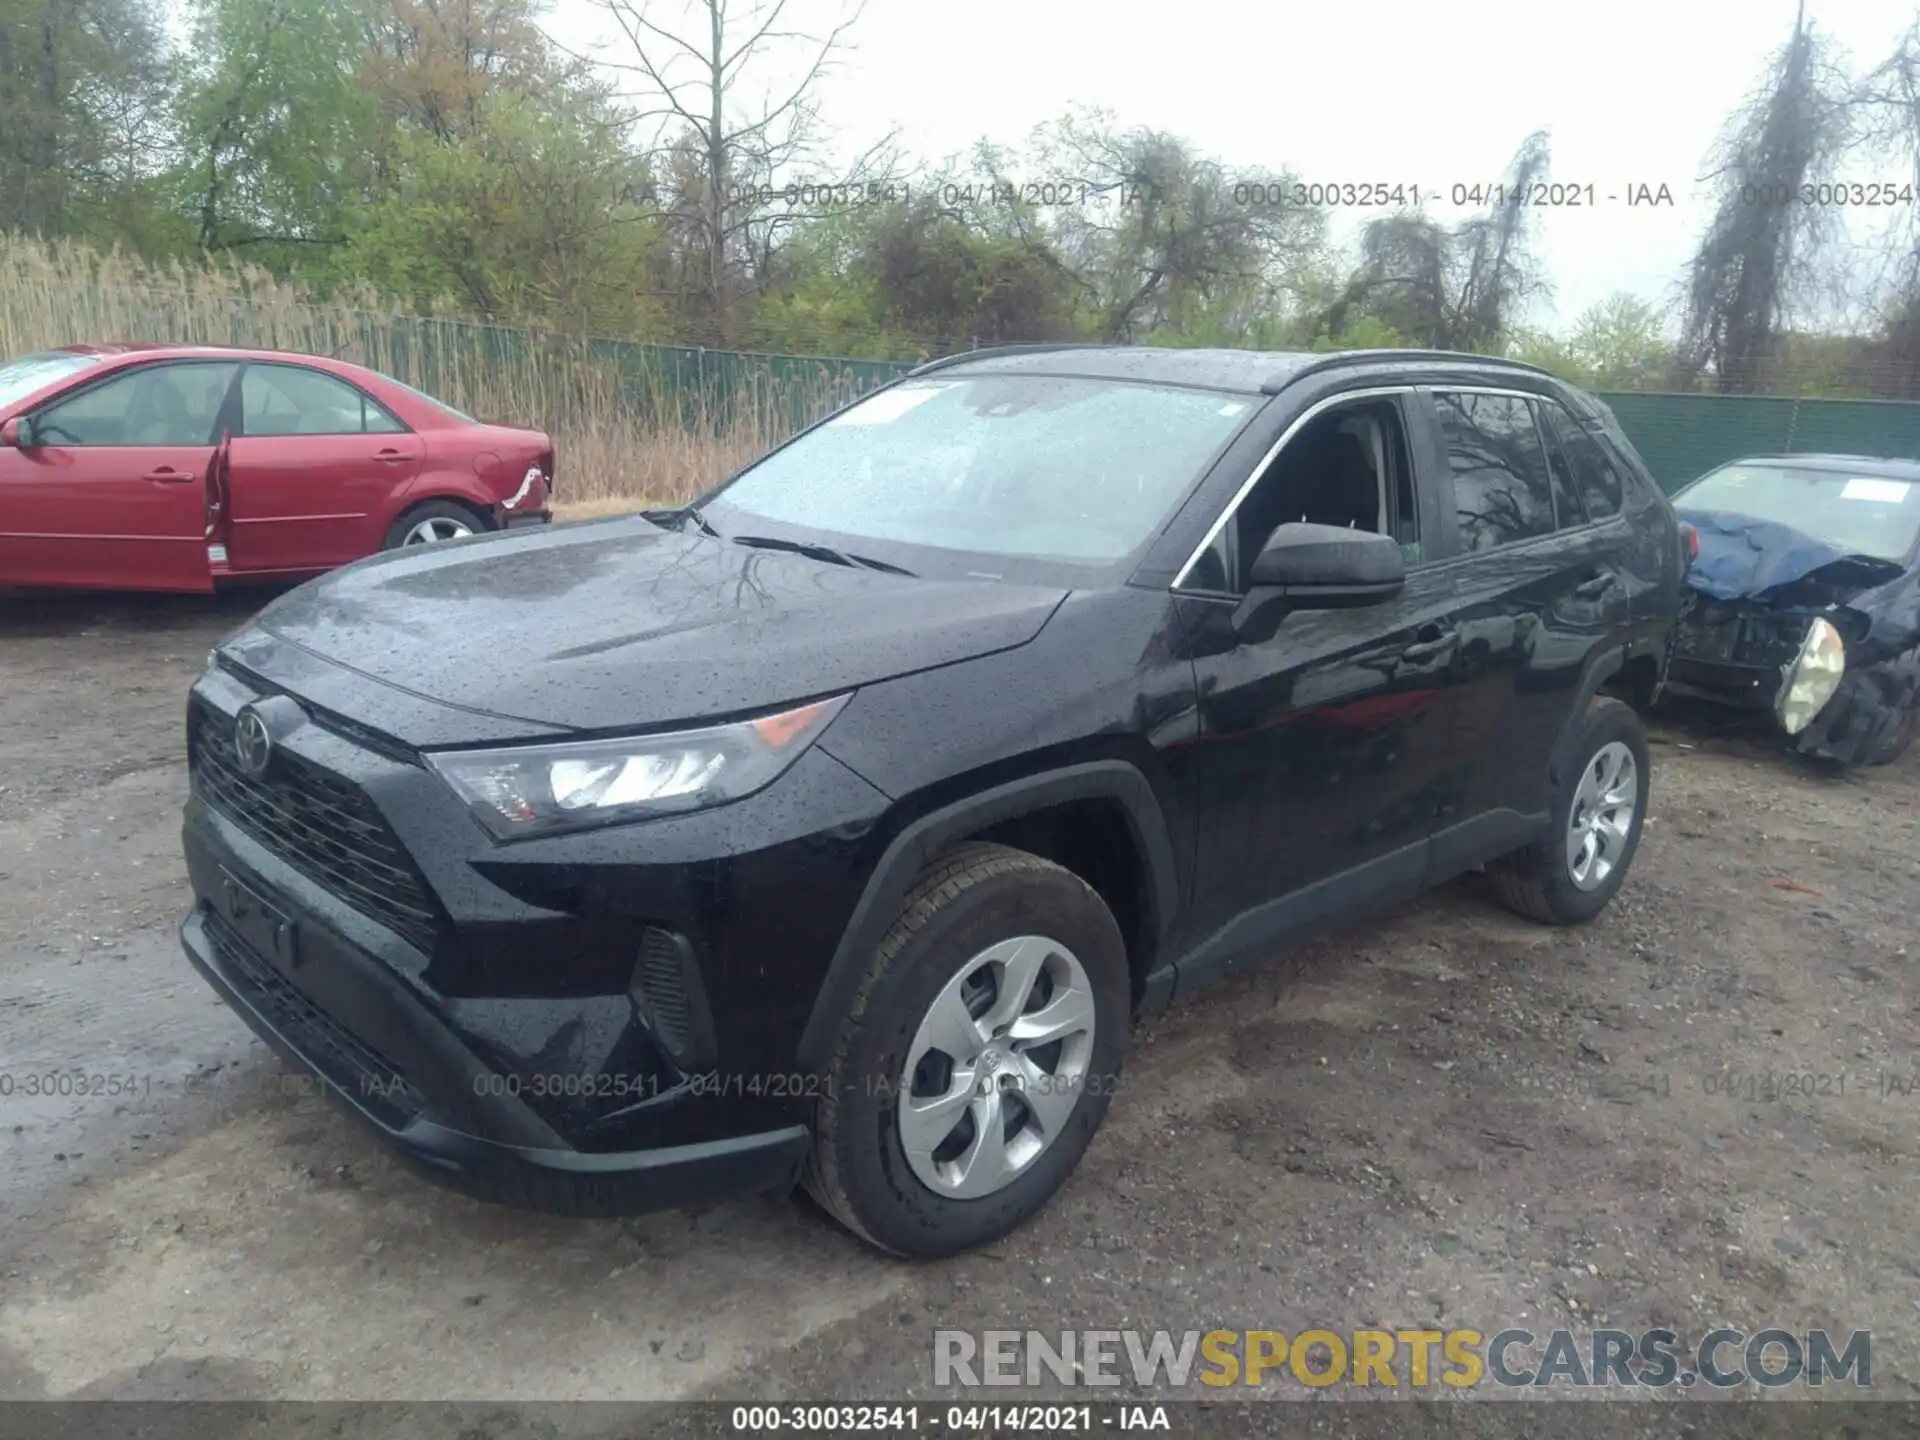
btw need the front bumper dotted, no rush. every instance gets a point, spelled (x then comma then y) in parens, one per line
(1748, 671)
(1746, 687)
(551, 1177)
(500, 1013)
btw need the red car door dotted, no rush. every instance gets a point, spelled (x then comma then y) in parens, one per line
(108, 487)
(312, 472)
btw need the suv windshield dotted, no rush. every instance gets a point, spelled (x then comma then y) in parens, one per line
(20, 378)
(1044, 468)
(1872, 515)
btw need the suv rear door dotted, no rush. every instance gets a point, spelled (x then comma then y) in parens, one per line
(1540, 588)
(109, 488)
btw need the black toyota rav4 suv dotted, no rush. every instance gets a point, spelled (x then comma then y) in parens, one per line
(832, 829)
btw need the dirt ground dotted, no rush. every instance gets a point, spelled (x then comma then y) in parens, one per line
(1442, 1117)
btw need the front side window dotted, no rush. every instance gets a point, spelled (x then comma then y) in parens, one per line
(1502, 491)
(1871, 515)
(173, 404)
(1064, 469)
(1347, 466)
(293, 400)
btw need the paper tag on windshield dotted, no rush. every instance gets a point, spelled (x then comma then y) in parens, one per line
(1887, 492)
(887, 406)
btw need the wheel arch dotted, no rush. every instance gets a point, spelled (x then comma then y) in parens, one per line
(1629, 672)
(1039, 810)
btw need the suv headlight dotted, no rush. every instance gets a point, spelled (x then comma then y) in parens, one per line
(534, 789)
(1812, 678)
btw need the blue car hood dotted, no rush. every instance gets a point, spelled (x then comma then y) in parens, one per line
(1741, 556)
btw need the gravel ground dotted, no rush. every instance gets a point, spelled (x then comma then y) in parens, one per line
(1442, 1117)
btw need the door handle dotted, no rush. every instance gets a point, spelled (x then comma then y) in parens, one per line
(390, 456)
(167, 475)
(1429, 641)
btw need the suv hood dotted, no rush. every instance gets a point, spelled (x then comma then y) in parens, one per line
(621, 625)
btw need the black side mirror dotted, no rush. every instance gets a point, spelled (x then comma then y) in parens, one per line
(1317, 567)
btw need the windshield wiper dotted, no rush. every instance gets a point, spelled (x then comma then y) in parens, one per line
(692, 512)
(820, 552)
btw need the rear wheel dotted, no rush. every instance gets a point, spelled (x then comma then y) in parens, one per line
(977, 1058)
(1599, 805)
(433, 522)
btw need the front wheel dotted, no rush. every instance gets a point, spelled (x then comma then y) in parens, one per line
(977, 1058)
(1599, 805)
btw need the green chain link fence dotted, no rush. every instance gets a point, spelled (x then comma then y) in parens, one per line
(1683, 436)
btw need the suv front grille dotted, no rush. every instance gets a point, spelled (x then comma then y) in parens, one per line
(319, 824)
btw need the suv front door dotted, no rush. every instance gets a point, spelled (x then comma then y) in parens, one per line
(1326, 748)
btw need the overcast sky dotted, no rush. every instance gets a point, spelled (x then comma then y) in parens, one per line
(1631, 92)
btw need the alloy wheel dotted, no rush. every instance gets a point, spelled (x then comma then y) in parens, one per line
(996, 1067)
(1601, 819)
(436, 528)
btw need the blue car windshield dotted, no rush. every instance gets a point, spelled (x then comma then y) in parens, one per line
(20, 378)
(1873, 515)
(1047, 468)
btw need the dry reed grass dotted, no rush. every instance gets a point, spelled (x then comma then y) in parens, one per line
(627, 426)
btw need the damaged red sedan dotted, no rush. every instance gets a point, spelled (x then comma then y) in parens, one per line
(145, 467)
(1808, 603)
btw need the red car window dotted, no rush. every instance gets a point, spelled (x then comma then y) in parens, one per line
(173, 404)
(293, 400)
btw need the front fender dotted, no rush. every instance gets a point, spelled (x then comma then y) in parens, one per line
(920, 841)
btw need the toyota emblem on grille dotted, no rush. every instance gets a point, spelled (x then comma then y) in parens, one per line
(252, 745)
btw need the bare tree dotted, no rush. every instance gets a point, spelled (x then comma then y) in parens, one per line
(720, 155)
(1760, 251)
(1888, 103)
(1149, 229)
(1463, 288)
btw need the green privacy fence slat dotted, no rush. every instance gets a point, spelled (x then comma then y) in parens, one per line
(1683, 436)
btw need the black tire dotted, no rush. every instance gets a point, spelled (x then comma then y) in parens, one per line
(1900, 739)
(434, 510)
(969, 900)
(1536, 881)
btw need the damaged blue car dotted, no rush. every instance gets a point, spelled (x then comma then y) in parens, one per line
(1807, 603)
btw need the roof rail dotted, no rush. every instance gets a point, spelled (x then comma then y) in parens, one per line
(991, 352)
(1274, 384)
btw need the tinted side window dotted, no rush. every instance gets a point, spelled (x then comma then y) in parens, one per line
(153, 405)
(1566, 498)
(1595, 472)
(1502, 491)
(292, 400)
